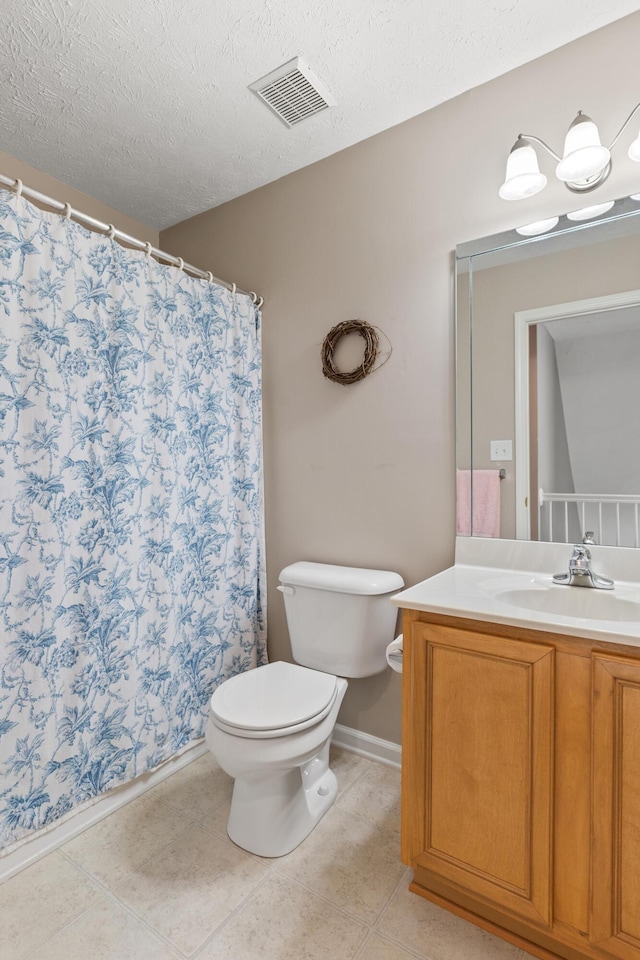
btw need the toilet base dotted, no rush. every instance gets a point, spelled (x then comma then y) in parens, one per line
(271, 816)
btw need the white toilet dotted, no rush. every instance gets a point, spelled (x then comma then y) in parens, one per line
(270, 728)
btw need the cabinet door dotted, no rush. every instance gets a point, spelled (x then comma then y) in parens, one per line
(482, 768)
(615, 880)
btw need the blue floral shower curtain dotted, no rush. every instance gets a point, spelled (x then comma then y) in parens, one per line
(131, 530)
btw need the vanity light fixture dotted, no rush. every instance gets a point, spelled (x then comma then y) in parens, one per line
(584, 165)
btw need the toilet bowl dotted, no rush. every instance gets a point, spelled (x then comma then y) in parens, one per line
(278, 755)
(271, 727)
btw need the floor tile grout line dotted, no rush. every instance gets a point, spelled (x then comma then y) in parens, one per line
(342, 909)
(361, 955)
(384, 907)
(229, 916)
(111, 895)
(101, 890)
(175, 809)
(390, 831)
(195, 952)
(73, 920)
(331, 903)
(410, 951)
(365, 762)
(402, 883)
(362, 923)
(365, 819)
(270, 862)
(107, 895)
(60, 848)
(367, 933)
(148, 927)
(189, 825)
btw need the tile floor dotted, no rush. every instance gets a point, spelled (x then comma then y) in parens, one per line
(159, 880)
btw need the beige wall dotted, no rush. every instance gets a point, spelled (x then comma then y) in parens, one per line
(57, 190)
(364, 475)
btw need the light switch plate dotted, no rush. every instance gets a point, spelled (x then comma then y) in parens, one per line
(501, 450)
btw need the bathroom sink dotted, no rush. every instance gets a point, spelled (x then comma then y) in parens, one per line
(581, 602)
(516, 588)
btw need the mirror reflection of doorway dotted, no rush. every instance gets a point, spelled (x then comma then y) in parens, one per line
(578, 421)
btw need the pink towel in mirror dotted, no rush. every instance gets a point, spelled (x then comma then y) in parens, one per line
(486, 503)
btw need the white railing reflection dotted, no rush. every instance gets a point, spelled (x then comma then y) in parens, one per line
(567, 517)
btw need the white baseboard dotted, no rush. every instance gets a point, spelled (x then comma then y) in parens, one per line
(27, 851)
(367, 746)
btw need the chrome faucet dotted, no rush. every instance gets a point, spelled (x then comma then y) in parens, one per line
(580, 572)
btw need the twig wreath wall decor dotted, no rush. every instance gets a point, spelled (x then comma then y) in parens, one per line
(369, 357)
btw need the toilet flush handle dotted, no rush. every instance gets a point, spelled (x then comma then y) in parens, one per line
(283, 588)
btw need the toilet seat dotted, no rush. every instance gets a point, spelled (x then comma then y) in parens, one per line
(274, 700)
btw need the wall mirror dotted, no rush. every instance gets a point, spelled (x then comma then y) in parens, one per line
(548, 382)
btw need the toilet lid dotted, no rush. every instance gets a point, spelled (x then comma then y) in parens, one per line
(274, 696)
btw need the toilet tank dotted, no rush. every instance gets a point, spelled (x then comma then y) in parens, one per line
(340, 619)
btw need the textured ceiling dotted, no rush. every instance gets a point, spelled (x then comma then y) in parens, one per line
(145, 105)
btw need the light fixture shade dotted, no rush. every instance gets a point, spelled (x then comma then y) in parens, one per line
(523, 178)
(588, 213)
(540, 226)
(584, 156)
(634, 149)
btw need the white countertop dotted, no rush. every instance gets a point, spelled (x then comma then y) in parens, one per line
(491, 580)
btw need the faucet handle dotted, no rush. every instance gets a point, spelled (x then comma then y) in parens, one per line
(580, 557)
(588, 537)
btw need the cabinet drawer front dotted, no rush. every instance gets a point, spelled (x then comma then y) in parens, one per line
(615, 908)
(488, 766)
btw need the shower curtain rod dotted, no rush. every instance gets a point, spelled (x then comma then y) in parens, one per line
(108, 228)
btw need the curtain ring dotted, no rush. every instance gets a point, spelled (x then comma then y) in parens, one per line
(254, 297)
(233, 290)
(180, 263)
(147, 248)
(260, 302)
(111, 231)
(18, 188)
(209, 276)
(67, 211)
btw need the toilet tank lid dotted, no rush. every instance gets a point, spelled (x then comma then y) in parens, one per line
(328, 576)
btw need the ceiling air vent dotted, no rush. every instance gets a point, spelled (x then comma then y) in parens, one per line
(293, 92)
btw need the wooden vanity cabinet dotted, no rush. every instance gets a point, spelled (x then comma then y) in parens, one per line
(521, 783)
